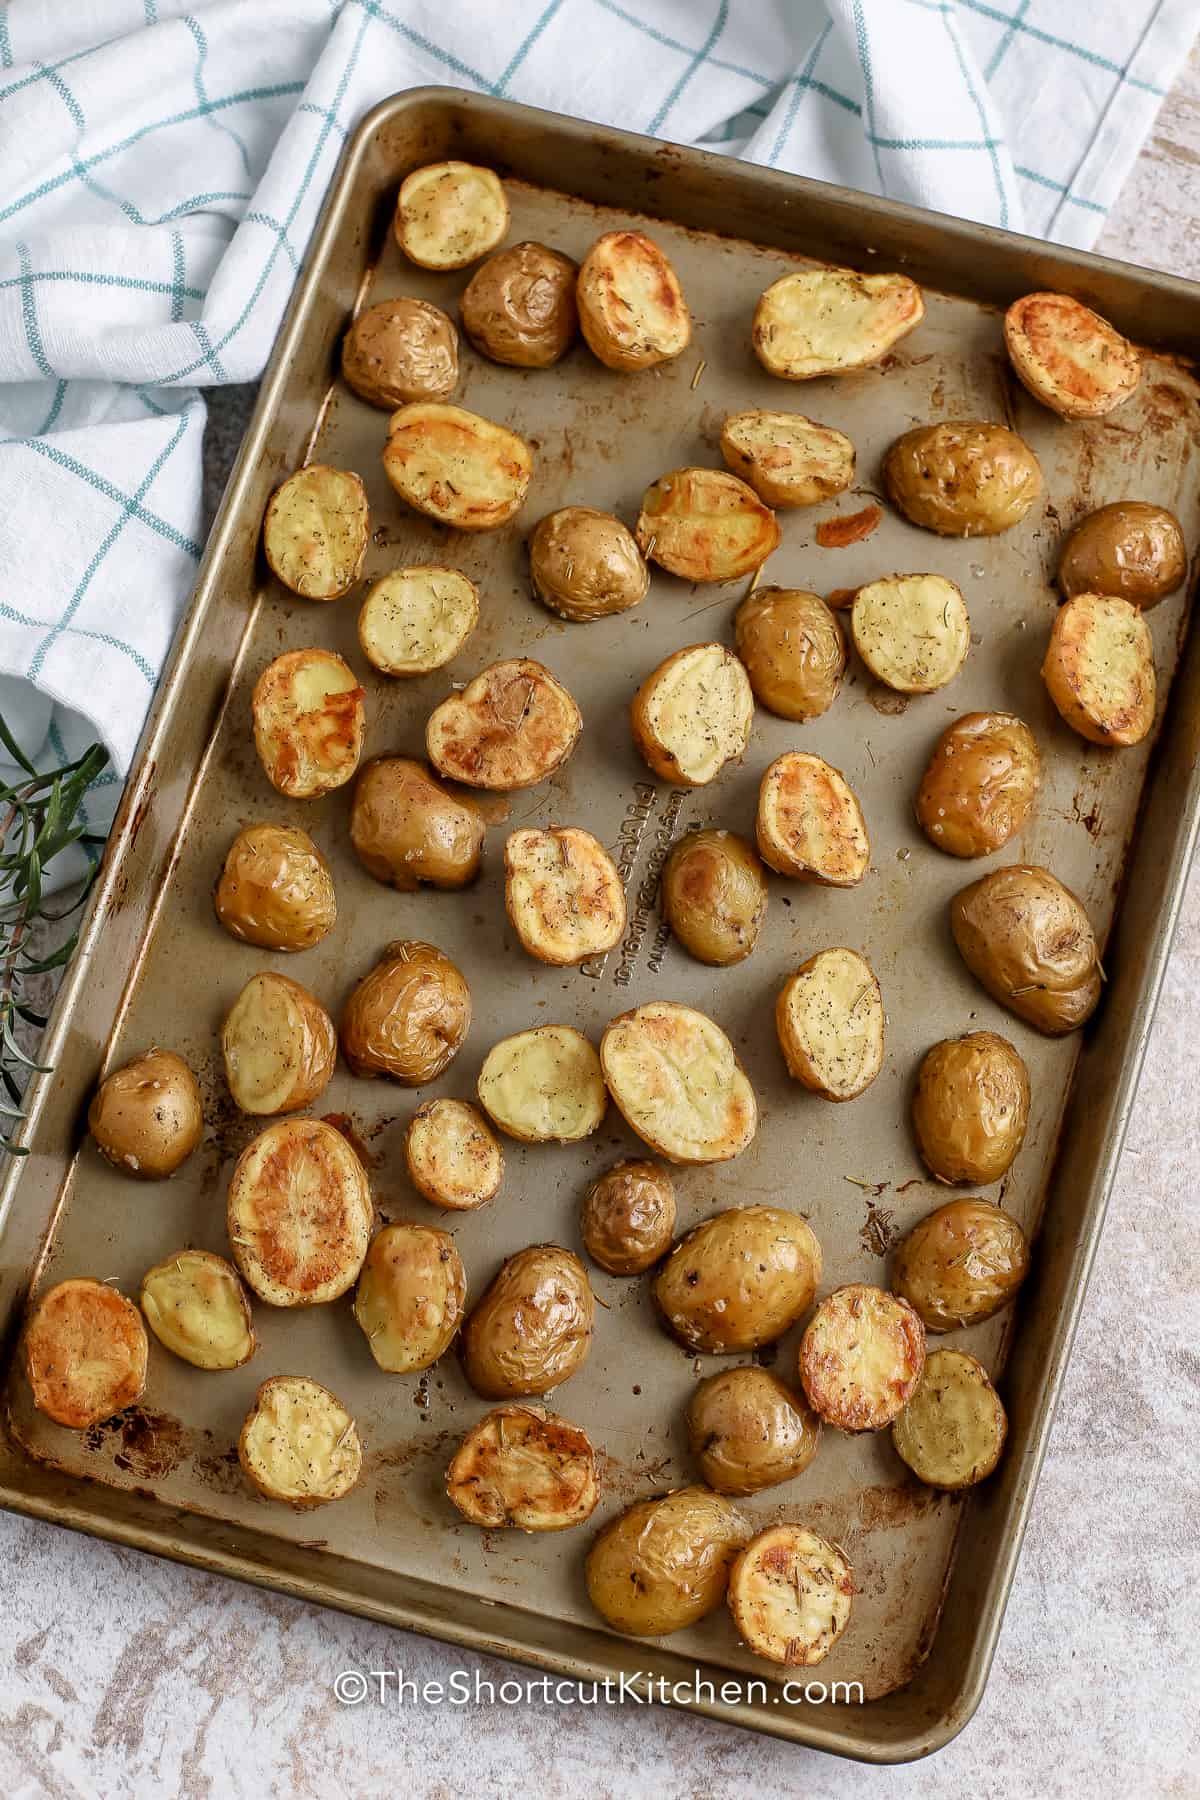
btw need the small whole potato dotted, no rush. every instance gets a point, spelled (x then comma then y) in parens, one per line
(585, 564)
(275, 889)
(401, 350)
(963, 478)
(1130, 550)
(1027, 939)
(408, 1017)
(411, 1296)
(747, 1431)
(960, 1264)
(665, 1563)
(406, 828)
(980, 784)
(971, 1107)
(628, 1217)
(794, 650)
(519, 306)
(85, 1351)
(739, 1279)
(533, 1327)
(631, 307)
(714, 896)
(146, 1117)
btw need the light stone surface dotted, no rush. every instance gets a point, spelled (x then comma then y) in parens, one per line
(123, 1675)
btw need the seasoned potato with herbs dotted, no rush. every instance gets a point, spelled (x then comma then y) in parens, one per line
(85, 1353)
(401, 350)
(663, 1564)
(830, 1023)
(519, 306)
(278, 1044)
(678, 1084)
(456, 467)
(714, 896)
(299, 1444)
(748, 1432)
(449, 214)
(299, 1213)
(417, 619)
(963, 478)
(1069, 358)
(1027, 939)
(628, 1217)
(912, 631)
(787, 459)
(308, 714)
(832, 321)
(693, 714)
(809, 822)
(146, 1117)
(739, 1279)
(952, 1431)
(509, 728)
(1099, 669)
(406, 828)
(1129, 549)
(980, 784)
(631, 307)
(533, 1327)
(971, 1108)
(197, 1308)
(563, 894)
(861, 1357)
(276, 889)
(794, 651)
(585, 564)
(790, 1594)
(961, 1263)
(315, 531)
(705, 525)
(526, 1467)
(411, 1296)
(408, 1016)
(544, 1086)
(452, 1157)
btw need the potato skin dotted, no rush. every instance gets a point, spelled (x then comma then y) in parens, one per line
(980, 784)
(1028, 940)
(524, 1466)
(1099, 669)
(747, 1431)
(401, 350)
(961, 1263)
(533, 1327)
(146, 1117)
(628, 1216)
(962, 478)
(263, 1075)
(631, 307)
(408, 1016)
(663, 1564)
(406, 828)
(276, 889)
(85, 1353)
(714, 896)
(585, 564)
(519, 306)
(411, 1296)
(1130, 549)
(739, 1279)
(971, 1108)
(794, 651)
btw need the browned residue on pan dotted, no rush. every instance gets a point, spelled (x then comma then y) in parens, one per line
(848, 528)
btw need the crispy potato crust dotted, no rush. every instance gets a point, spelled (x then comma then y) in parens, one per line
(1069, 358)
(705, 525)
(952, 1431)
(963, 478)
(563, 894)
(830, 1022)
(663, 1564)
(401, 350)
(693, 714)
(794, 651)
(526, 1467)
(971, 1107)
(1129, 549)
(299, 1444)
(449, 214)
(308, 716)
(980, 784)
(197, 1308)
(627, 1217)
(279, 1046)
(299, 1213)
(678, 1084)
(509, 728)
(406, 828)
(408, 1016)
(631, 307)
(832, 321)
(912, 631)
(739, 1279)
(961, 1263)
(585, 565)
(452, 1157)
(809, 822)
(411, 1296)
(85, 1353)
(276, 889)
(456, 467)
(861, 1357)
(747, 1431)
(787, 459)
(1028, 940)
(533, 1327)
(714, 896)
(544, 1086)
(519, 307)
(315, 531)
(1099, 669)
(417, 619)
(146, 1118)
(790, 1594)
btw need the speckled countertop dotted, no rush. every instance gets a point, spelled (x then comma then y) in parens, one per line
(122, 1675)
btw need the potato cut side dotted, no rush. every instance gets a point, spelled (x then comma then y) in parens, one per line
(197, 1308)
(631, 307)
(832, 321)
(861, 1357)
(912, 631)
(544, 1086)
(524, 1466)
(456, 467)
(1099, 669)
(677, 1082)
(449, 214)
(787, 459)
(279, 1046)
(563, 894)
(315, 531)
(952, 1431)
(299, 1213)
(509, 728)
(693, 714)
(417, 619)
(705, 525)
(810, 824)
(308, 716)
(790, 1593)
(453, 1159)
(411, 1296)
(830, 1021)
(299, 1444)
(85, 1353)
(1069, 358)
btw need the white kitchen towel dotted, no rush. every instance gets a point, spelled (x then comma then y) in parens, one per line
(163, 165)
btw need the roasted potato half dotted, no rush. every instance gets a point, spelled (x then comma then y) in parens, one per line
(1069, 358)
(509, 728)
(453, 1159)
(793, 649)
(748, 1432)
(308, 715)
(401, 350)
(739, 1279)
(299, 1444)
(315, 531)
(411, 1296)
(1099, 669)
(406, 828)
(952, 1431)
(299, 1213)
(563, 894)
(628, 1217)
(787, 459)
(146, 1117)
(449, 214)
(663, 1564)
(961, 1263)
(544, 1086)
(533, 1327)
(790, 1594)
(980, 784)
(519, 306)
(526, 1467)
(1027, 939)
(585, 564)
(963, 478)
(693, 714)
(830, 1023)
(417, 619)
(279, 1046)
(85, 1353)
(276, 889)
(971, 1107)
(912, 631)
(832, 321)
(197, 1308)
(705, 525)
(714, 896)
(1130, 549)
(809, 822)
(456, 467)
(678, 1084)
(631, 307)
(861, 1357)
(408, 1016)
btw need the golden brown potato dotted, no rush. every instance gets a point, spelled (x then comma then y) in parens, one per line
(714, 896)
(408, 1016)
(453, 1159)
(146, 1117)
(524, 1466)
(787, 459)
(693, 714)
(509, 728)
(830, 1023)
(563, 894)
(519, 306)
(809, 822)
(794, 650)
(85, 1353)
(912, 631)
(980, 784)
(1099, 669)
(1027, 939)
(971, 1107)
(1129, 549)
(790, 1593)
(861, 1357)
(276, 889)
(1069, 358)
(449, 214)
(953, 1429)
(456, 467)
(631, 307)
(278, 1044)
(315, 531)
(411, 1296)
(628, 1216)
(678, 1083)
(748, 1432)
(197, 1308)
(739, 1279)
(299, 1213)
(962, 478)
(407, 828)
(705, 525)
(961, 1263)
(665, 1563)
(832, 321)
(544, 1086)
(401, 350)
(533, 1327)
(299, 1444)
(585, 565)
(417, 619)
(307, 708)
